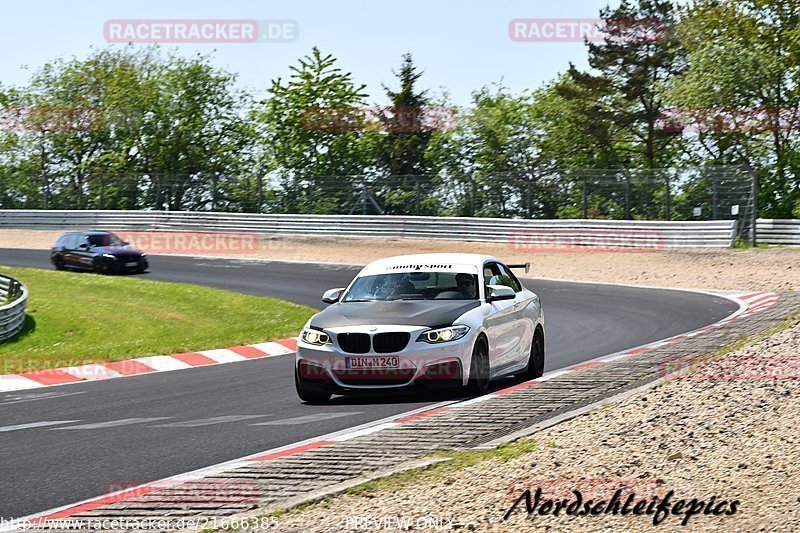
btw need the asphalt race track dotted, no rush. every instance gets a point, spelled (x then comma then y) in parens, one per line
(63, 444)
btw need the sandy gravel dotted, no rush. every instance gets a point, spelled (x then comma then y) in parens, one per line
(726, 269)
(730, 431)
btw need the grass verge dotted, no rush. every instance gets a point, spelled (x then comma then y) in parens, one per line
(80, 318)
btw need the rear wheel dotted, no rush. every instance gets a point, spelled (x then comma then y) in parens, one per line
(308, 396)
(58, 262)
(479, 369)
(535, 367)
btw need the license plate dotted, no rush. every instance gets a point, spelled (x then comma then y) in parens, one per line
(372, 362)
(131, 264)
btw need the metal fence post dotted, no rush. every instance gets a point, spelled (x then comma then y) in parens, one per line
(627, 196)
(585, 198)
(667, 200)
(714, 196)
(474, 193)
(260, 192)
(529, 197)
(754, 211)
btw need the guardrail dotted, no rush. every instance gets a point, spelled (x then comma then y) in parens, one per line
(13, 302)
(778, 231)
(522, 232)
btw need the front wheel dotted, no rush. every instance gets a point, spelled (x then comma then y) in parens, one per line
(535, 367)
(58, 262)
(312, 397)
(100, 267)
(479, 369)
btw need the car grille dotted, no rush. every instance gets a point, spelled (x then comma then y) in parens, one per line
(390, 342)
(375, 377)
(128, 258)
(354, 342)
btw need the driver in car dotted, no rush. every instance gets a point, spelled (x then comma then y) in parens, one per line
(466, 285)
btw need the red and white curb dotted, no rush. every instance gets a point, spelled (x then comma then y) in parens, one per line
(144, 365)
(749, 303)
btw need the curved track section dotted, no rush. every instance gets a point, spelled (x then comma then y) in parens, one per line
(68, 443)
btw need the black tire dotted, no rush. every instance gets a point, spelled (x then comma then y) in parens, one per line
(312, 397)
(99, 266)
(479, 369)
(58, 262)
(535, 367)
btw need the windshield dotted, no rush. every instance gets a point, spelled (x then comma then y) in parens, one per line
(105, 239)
(414, 286)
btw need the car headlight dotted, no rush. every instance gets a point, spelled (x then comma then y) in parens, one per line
(317, 338)
(451, 333)
(109, 256)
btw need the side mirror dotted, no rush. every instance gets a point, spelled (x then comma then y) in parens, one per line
(332, 296)
(499, 292)
(84, 246)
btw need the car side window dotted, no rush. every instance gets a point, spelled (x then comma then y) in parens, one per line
(497, 274)
(70, 242)
(507, 278)
(489, 273)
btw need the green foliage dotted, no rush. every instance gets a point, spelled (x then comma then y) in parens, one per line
(742, 86)
(164, 131)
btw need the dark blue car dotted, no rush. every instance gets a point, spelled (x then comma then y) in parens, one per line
(100, 251)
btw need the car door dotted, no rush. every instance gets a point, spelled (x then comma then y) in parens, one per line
(82, 252)
(71, 258)
(522, 327)
(499, 322)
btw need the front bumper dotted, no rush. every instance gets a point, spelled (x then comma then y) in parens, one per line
(122, 265)
(420, 364)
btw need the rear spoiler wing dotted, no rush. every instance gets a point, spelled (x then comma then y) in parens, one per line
(526, 266)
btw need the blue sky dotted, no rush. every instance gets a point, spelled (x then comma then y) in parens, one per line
(461, 44)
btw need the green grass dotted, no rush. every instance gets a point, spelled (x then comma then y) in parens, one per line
(80, 318)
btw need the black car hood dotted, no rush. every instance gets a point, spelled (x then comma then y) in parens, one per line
(427, 313)
(117, 250)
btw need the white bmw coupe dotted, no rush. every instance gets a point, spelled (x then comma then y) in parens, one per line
(425, 320)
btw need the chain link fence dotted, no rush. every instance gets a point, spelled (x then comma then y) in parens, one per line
(691, 193)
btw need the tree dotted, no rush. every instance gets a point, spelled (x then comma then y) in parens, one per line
(314, 136)
(407, 126)
(741, 93)
(622, 99)
(127, 129)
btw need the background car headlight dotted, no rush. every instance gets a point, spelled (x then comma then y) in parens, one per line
(452, 333)
(317, 338)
